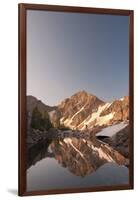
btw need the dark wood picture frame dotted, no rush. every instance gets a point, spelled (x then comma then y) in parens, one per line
(22, 93)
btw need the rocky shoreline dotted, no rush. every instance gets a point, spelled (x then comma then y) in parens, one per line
(119, 142)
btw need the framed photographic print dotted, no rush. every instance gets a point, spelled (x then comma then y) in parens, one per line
(75, 99)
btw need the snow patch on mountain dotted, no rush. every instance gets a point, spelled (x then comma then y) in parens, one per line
(112, 130)
(68, 122)
(104, 119)
(122, 99)
(95, 116)
(77, 112)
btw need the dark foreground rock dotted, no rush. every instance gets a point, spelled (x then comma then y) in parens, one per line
(34, 136)
(120, 142)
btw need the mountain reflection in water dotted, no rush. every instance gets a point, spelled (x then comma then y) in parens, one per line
(73, 162)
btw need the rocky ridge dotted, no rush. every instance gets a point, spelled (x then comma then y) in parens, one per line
(82, 111)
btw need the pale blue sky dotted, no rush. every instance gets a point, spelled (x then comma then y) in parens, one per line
(68, 52)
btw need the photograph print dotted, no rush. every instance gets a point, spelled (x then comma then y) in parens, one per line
(78, 101)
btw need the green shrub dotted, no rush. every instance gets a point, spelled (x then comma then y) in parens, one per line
(39, 121)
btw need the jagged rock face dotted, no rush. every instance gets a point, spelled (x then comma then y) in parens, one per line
(120, 108)
(82, 110)
(33, 102)
(78, 107)
(120, 141)
(34, 136)
(83, 157)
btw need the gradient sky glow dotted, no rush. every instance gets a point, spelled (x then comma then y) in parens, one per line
(71, 52)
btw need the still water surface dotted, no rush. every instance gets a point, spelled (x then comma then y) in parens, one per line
(74, 163)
